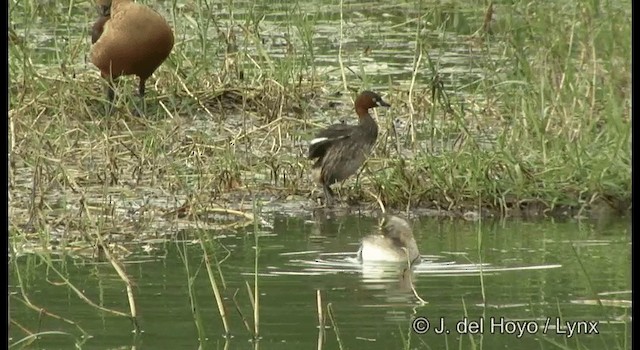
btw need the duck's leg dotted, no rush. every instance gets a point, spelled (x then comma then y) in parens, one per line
(141, 90)
(109, 91)
(328, 195)
(141, 87)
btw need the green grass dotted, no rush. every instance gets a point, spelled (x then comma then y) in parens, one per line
(557, 109)
(536, 115)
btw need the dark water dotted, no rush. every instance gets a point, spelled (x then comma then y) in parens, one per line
(532, 273)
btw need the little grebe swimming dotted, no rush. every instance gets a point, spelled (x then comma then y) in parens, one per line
(394, 244)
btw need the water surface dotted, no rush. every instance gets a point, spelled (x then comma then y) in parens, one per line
(538, 273)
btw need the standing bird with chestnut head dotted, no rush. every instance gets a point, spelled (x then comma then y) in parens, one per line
(340, 150)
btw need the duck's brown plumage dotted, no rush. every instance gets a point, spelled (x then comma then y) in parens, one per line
(341, 149)
(130, 39)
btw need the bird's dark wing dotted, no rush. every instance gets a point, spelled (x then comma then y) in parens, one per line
(326, 137)
(335, 130)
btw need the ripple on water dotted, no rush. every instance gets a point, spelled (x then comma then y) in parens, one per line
(317, 263)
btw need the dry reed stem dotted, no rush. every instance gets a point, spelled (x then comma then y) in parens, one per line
(334, 326)
(377, 198)
(319, 308)
(414, 74)
(84, 298)
(409, 272)
(320, 319)
(256, 294)
(216, 291)
(344, 78)
(27, 302)
(244, 319)
(127, 282)
(100, 245)
(21, 327)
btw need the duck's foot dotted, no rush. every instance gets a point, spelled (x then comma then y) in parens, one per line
(328, 196)
(141, 112)
(138, 112)
(108, 104)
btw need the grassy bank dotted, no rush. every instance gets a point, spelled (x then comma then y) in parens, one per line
(542, 123)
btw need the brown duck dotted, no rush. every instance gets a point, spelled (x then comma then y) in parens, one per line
(341, 149)
(129, 39)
